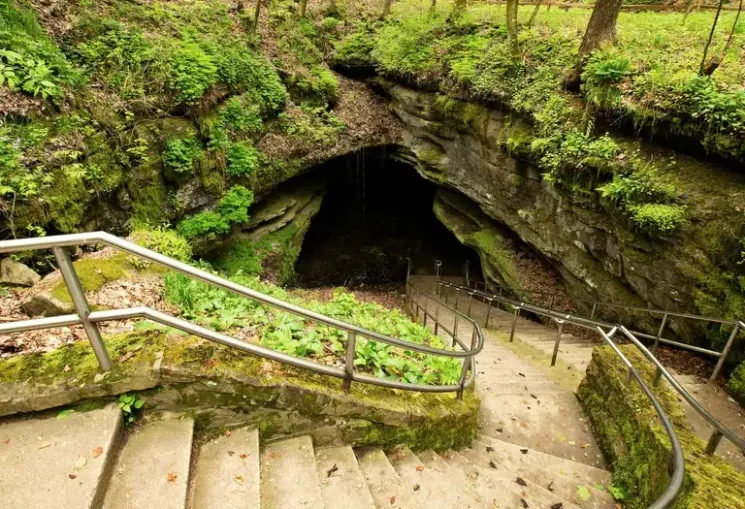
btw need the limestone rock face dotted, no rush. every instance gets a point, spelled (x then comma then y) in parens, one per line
(15, 273)
(598, 254)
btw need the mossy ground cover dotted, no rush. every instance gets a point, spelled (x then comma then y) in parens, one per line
(636, 444)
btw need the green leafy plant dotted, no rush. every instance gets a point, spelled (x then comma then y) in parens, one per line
(130, 404)
(231, 209)
(163, 240)
(243, 159)
(192, 72)
(181, 155)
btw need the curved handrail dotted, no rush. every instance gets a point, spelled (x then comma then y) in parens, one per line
(677, 476)
(85, 317)
(720, 430)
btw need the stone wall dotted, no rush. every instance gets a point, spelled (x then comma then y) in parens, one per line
(636, 445)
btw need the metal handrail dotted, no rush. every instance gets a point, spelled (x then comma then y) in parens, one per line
(738, 324)
(677, 460)
(720, 430)
(89, 319)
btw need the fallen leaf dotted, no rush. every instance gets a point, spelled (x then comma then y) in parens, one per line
(499, 430)
(172, 476)
(420, 468)
(524, 451)
(525, 504)
(416, 487)
(583, 493)
(521, 374)
(243, 456)
(44, 445)
(332, 470)
(227, 432)
(521, 481)
(393, 499)
(492, 464)
(534, 396)
(489, 448)
(80, 463)
(550, 486)
(72, 476)
(230, 453)
(558, 505)
(238, 479)
(98, 451)
(6, 441)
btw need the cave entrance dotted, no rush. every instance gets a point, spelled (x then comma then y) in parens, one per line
(377, 212)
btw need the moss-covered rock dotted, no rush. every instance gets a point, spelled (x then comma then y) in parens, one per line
(637, 446)
(223, 387)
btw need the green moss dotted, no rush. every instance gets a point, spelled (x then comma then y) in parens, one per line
(635, 442)
(736, 383)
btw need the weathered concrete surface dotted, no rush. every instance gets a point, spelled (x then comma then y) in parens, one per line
(53, 462)
(288, 476)
(384, 483)
(228, 473)
(342, 482)
(152, 469)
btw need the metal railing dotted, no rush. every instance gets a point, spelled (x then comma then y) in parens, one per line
(89, 319)
(676, 465)
(720, 430)
(664, 315)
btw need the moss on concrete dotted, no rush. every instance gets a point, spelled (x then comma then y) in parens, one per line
(223, 387)
(636, 444)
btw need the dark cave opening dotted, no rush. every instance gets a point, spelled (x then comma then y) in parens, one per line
(377, 212)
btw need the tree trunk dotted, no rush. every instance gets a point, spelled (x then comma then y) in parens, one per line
(256, 15)
(702, 68)
(535, 13)
(715, 62)
(303, 5)
(601, 29)
(459, 7)
(434, 4)
(386, 8)
(512, 28)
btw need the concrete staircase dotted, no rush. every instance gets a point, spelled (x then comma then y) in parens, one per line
(87, 460)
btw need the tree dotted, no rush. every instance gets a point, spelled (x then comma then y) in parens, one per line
(386, 8)
(535, 13)
(303, 5)
(512, 6)
(716, 61)
(256, 15)
(601, 29)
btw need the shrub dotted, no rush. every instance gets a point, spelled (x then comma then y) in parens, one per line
(243, 159)
(736, 382)
(355, 49)
(180, 155)
(241, 116)
(231, 209)
(602, 73)
(657, 217)
(164, 241)
(192, 72)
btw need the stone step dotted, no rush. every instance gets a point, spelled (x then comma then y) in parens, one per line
(228, 473)
(554, 464)
(384, 483)
(152, 469)
(490, 481)
(289, 479)
(575, 491)
(430, 489)
(57, 463)
(342, 484)
(496, 386)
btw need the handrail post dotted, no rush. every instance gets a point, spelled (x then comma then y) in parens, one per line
(556, 343)
(488, 313)
(455, 329)
(426, 306)
(467, 267)
(551, 304)
(514, 324)
(714, 440)
(81, 306)
(594, 308)
(437, 317)
(457, 295)
(470, 303)
(438, 277)
(349, 361)
(659, 335)
(408, 268)
(725, 352)
(447, 294)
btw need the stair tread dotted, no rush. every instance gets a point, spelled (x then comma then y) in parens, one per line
(152, 469)
(288, 475)
(384, 483)
(549, 462)
(429, 488)
(562, 485)
(499, 490)
(41, 455)
(342, 484)
(228, 473)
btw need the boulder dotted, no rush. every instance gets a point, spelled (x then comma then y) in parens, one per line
(15, 273)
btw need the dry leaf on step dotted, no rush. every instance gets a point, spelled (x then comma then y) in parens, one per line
(420, 468)
(172, 476)
(80, 463)
(238, 479)
(98, 451)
